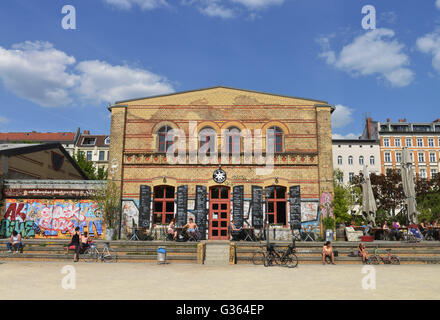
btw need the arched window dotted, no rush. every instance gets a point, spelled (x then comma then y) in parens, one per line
(207, 138)
(350, 160)
(277, 139)
(163, 142)
(372, 160)
(233, 140)
(163, 206)
(339, 160)
(361, 160)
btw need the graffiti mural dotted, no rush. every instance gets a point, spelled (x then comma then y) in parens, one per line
(309, 211)
(50, 218)
(326, 205)
(130, 213)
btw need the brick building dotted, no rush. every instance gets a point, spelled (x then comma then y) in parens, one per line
(422, 140)
(154, 190)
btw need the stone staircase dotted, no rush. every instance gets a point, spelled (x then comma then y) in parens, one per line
(217, 253)
(128, 251)
(426, 252)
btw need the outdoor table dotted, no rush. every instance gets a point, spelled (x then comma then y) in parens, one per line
(179, 230)
(376, 230)
(435, 233)
(358, 228)
(248, 234)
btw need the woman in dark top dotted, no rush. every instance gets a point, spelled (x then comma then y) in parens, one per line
(75, 242)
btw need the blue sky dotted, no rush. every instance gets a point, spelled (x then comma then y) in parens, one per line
(57, 80)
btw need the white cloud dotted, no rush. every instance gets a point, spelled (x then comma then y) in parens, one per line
(342, 116)
(351, 136)
(102, 82)
(38, 72)
(373, 53)
(143, 4)
(213, 9)
(258, 4)
(437, 4)
(430, 44)
(3, 120)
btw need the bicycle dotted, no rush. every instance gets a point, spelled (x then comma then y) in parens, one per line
(259, 256)
(286, 258)
(107, 255)
(389, 259)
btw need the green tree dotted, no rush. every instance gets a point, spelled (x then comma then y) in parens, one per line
(89, 168)
(342, 200)
(109, 202)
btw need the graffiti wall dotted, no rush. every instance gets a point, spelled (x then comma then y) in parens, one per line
(50, 218)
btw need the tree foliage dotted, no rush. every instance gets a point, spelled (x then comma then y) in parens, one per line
(342, 201)
(109, 202)
(88, 167)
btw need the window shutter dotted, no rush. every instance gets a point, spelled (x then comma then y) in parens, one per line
(182, 206)
(144, 206)
(295, 207)
(237, 204)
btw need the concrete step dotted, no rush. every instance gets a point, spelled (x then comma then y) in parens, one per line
(217, 253)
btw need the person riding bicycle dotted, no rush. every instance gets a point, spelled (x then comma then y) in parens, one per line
(327, 251)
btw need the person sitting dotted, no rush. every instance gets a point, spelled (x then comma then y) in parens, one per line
(172, 229)
(85, 240)
(327, 250)
(191, 228)
(236, 233)
(423, 228)
(14, 242)
(435, 230)
(395, 233)
(362, 252)
(367, 229)
(386, 230)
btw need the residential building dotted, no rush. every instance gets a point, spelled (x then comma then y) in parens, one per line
(155, 189)
(95, 148)
(66, 139)
(38, 161)
(350, 156)
(421, 138)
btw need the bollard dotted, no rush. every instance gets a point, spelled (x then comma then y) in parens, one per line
(161, 255)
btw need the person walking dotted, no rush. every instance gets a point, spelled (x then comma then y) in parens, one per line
(75, 241)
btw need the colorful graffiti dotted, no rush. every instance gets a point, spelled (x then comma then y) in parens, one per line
(326, 205)
(309, 210)
(50, 218)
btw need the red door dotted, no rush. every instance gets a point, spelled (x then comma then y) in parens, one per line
(219, 212)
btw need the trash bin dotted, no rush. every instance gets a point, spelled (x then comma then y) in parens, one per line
(329, 235)
(161, 255)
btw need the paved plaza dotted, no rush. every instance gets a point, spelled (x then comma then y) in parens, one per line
(42, 280)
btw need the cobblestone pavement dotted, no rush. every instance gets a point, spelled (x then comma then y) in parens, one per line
(42, 280)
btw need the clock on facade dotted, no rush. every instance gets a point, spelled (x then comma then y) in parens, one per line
(219, 176)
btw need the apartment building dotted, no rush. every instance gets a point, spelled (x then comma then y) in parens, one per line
(95, 148)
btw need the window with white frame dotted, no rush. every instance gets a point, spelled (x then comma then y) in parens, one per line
(432, 157)
(434, 173)
(340, 160)
(89, 155)
(397, 142)
(350, 160)
(419, 142)
(430, 142)
(408, 142)
(423, 173)
(386, 142)
(387, 157)
(421, 157)
(361, 160)
(398, 157)
(372, 160)
(351, 176)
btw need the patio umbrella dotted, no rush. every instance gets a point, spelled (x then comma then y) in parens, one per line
(368, 201)
(409, 187)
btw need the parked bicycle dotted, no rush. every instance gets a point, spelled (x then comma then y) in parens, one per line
(283, 258)
(107, 255)
(376, 258)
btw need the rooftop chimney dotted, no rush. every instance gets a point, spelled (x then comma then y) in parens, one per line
(388, 120)
(402, 120)
(86, 131)
(437, 120)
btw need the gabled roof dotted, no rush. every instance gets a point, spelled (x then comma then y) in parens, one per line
(99, 140)
(20, 149)
(220, 87)
(38, 136)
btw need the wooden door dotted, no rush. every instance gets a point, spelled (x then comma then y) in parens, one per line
(219, 212)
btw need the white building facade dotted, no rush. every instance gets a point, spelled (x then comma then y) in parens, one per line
(350, 156)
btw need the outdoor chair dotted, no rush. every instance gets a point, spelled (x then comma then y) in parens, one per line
(308, 233)
(353, 235)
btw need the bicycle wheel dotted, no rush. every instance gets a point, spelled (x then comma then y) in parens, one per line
(291, 261)
(110, 256)
(395, 260)
(374, 260)
(90, 255)
(268, 260)
(258, 258)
